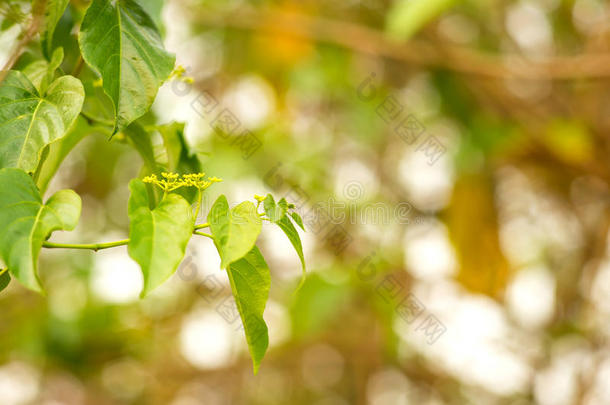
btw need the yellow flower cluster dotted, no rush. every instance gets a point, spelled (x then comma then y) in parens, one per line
(173, 181)
(178, 74)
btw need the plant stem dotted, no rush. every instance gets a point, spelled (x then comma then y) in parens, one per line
(106, 245)
(95, 120)
(79, 66)
(199, 198)
(204, 234)
(90, 246)
(201, 226)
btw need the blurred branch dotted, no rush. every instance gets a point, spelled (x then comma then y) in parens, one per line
(38, 9)
(374, 42)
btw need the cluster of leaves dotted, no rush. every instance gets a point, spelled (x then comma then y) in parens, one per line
(39, 110)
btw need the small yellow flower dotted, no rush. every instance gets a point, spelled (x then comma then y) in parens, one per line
(174, 181)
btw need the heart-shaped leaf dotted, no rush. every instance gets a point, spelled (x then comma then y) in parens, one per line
(157, 237)
(235, 231)
(121, 42)
(274, 211)
(29, 121)
(250, 282)
(25, 222)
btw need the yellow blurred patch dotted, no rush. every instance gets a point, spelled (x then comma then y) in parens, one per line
(473, 229)
(278, 46)
(569, 141)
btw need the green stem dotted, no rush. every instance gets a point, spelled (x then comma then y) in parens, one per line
(207, 235)
(93, 120)
(201, 226)
(199, 198)
(106, 245)
(90, 246)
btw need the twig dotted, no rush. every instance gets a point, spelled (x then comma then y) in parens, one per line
(38, 8)
(374, 42)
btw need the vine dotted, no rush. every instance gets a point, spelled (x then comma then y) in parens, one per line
(43, 117)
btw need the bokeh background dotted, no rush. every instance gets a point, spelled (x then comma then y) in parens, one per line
(459, 150)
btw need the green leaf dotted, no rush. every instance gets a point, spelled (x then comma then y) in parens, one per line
(25, 222)
(58, 152)
(250, 282)
(53, 12)
(297, 218)
(179, 156)
(235, 231)
(406, 17)
(158, 237)
(180, 159)
(5, 279)
(41, 73)
(274, 211)
(30, 121)
(292, 234)
(277, 215)
(120, 41)
(142, 142)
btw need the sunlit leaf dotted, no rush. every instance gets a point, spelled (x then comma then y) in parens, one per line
(277, 215)
(41, 73)
(120, 41)
(235, 231)
(25, 222)
(274, 211)
(54, 10)
(157, 237)
(250, 283)
(297, 219)
(30, 121)
(286, 225)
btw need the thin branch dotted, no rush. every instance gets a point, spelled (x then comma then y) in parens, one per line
(91, 246)
(374, 42)
(207, 235)
(106, 245)
(38, 8)
(95, 120)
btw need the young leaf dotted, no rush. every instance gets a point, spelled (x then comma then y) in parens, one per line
(5, 279)
(297, 218)
(25, 223)
(41, 73)
(235, 231)
(179, 156)
(292, 234)
(54, 10)
(120, 41)
(180, 159)
(30, 121)
(158, 237)
(250, 282)
(274, 211)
